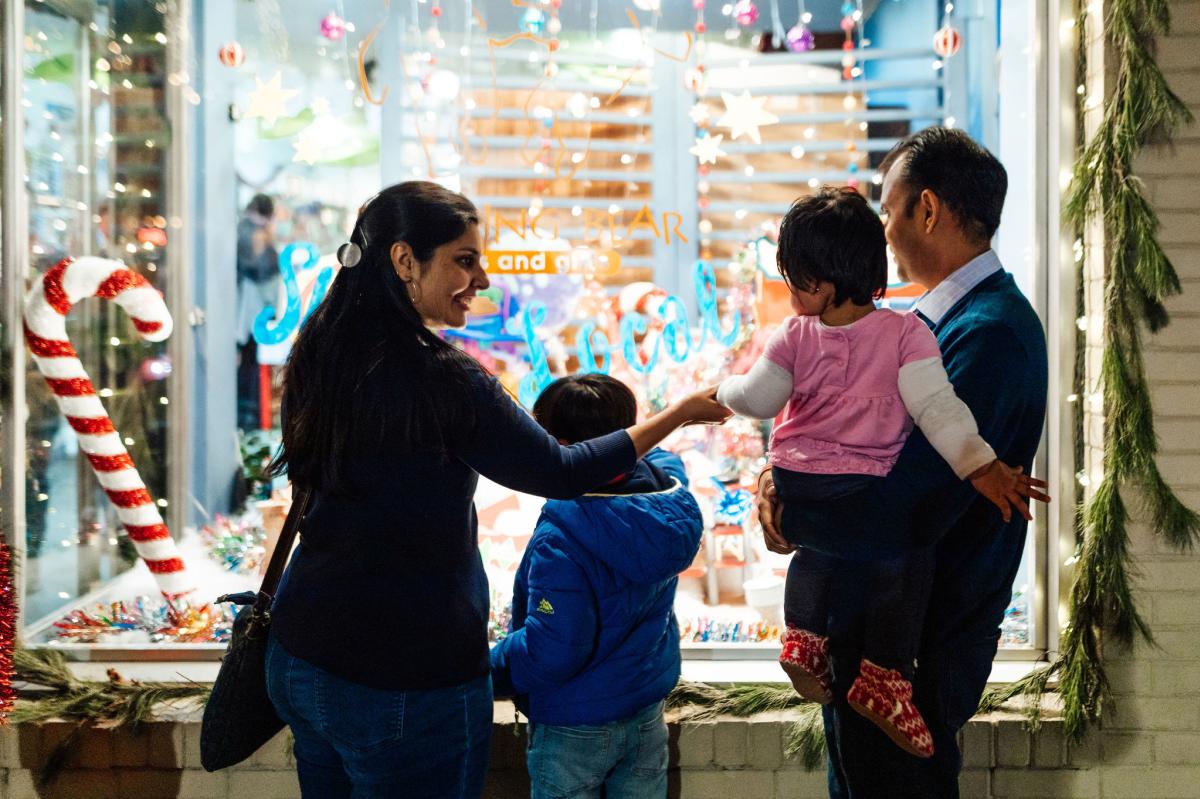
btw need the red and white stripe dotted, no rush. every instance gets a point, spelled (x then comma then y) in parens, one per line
(46, 308)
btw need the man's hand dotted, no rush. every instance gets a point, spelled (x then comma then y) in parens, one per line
(770, 509)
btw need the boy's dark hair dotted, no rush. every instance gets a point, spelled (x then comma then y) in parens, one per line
(834, 236)
(964, 175)
(578, 407)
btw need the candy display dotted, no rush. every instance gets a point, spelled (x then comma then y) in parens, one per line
(1014, 630)
(499, 616)
(238, 543)
(147, 620)
(742, 631)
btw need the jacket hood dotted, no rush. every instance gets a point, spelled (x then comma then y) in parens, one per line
(647, 533)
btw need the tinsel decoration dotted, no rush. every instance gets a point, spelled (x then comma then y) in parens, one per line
(8, 632)
(1138, 278)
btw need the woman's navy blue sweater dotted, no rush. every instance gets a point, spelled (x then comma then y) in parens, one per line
(388, 589)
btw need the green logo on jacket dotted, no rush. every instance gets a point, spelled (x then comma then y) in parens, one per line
(545, 607)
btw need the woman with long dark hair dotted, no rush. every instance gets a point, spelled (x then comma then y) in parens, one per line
(378, 658)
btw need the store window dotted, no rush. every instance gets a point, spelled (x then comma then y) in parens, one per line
(621, 157)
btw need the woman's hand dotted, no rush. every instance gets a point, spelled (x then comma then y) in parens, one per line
(698, 408)
(770, 509)
(702, 408)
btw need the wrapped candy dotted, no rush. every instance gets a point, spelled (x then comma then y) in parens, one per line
(237, 543)
(147, 620)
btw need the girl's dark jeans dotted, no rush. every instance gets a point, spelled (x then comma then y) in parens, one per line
(898, 587)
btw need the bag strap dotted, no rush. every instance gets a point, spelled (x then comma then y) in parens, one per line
(283, 548)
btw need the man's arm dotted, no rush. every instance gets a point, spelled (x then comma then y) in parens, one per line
(986, 365)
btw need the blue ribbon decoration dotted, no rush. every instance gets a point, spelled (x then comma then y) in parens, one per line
(733, 507)
(675, 329)
(533, 383)
(265, 331)
(633, 324)
(589, 354)
(710, 316)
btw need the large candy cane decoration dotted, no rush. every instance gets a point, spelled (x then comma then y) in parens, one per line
(46, 308)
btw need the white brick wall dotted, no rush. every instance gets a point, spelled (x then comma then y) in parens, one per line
(1149, 745)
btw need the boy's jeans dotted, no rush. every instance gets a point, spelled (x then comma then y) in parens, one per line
(627, 757)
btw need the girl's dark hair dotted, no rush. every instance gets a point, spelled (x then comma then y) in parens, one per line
(578, 407)
(366, 376)
(834, 236)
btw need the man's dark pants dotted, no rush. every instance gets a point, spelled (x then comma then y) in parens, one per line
(972, 588)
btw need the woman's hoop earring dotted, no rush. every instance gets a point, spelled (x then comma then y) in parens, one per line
(414, 293)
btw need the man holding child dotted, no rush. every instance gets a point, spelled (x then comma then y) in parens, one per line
(942, 199)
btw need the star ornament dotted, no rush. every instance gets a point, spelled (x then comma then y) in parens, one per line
(745, 115)
(268, 100)
(307, 146)
(699, 113)
(707, 148)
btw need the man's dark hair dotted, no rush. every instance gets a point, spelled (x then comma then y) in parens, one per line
(578, 407)
(965, 176)
(834, 236)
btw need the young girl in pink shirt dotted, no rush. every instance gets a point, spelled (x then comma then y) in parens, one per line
(854, 379)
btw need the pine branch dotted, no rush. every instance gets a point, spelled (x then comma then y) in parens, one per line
(1032, 686)
(43, 667)
(744, 700)
(1174, 521)
(806, 737)
(693, 693)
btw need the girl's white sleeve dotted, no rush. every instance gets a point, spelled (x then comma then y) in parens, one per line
(759, 394)
(944, 418)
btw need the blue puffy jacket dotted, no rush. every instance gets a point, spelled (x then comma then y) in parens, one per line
(594, 636)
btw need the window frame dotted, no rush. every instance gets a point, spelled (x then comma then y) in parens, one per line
(1052, 533)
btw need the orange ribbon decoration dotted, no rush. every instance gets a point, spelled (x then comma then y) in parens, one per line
(362, 54)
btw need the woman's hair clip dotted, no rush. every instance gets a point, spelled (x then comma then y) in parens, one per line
(349, 254)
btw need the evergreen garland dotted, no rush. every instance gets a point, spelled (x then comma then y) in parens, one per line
(111, 704)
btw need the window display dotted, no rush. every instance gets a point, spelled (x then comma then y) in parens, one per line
(630, 167)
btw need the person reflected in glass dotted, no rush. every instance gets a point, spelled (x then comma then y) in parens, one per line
(257, 288)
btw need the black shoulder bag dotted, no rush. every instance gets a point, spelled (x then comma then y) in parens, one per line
(239, 717)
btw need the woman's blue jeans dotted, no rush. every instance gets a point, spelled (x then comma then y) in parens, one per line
(367, 743)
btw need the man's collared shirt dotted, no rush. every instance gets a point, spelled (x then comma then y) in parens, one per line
(934, 304)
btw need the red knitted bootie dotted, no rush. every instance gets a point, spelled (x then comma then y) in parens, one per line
(884, 698)
(805, 660)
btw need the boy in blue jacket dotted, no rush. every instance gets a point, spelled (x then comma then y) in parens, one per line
(594, 644)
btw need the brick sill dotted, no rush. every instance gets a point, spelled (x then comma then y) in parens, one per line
(715, 758)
